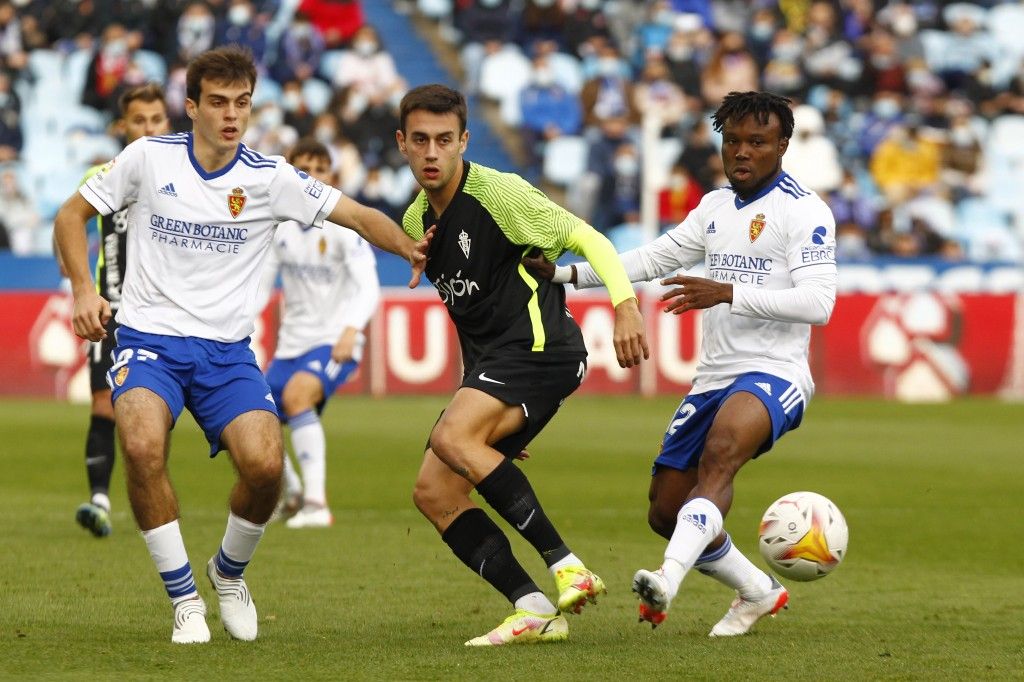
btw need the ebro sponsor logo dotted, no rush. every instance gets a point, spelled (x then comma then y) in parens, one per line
(455, 288)
(818, 255)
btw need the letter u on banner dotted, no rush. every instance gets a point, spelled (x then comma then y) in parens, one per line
(435, 345)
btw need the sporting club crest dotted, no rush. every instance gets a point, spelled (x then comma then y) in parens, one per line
(464, 242)
(121, 375)
(322, 246)
(757, 227)
(236, 202)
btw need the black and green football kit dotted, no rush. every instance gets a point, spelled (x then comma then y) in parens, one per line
(519, 343)
(110, 269)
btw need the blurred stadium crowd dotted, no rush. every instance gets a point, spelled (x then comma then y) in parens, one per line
(910, 115)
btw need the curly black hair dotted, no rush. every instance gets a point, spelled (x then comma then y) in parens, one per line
(761, 105)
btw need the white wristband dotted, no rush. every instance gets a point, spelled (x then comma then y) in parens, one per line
(563, 274)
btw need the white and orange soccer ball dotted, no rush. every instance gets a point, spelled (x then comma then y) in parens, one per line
(803, 536)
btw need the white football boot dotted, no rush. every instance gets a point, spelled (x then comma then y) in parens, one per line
(742, 615)
(190, 622)
(237, 611)
(311, 517)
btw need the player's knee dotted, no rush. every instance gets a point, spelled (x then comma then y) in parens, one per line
(445, 440)
(661, 518)
(294, 402)
(426, 496)
(143, 454)
(263, 472)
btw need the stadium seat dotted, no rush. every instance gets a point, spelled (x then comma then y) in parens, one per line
(87, 150)
(935, 44)
(152, 65)
(435, 9)
(76, 71)
(626, 237)
(316, 94)
(1006, 24)
(329, 62)
(267, 90)
(565, 159)
(504, 74)
(568, 71)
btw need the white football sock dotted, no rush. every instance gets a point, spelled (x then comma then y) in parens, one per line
(238, 545)
(167, 548)
(569, 560)
(729, 566)
(536, 602)
(292, 482)
(311, 450)
(698, 523)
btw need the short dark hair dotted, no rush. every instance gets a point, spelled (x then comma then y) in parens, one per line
(309, 146)
(227, 64)
(150, 92)
(760, 105)
(435, 98)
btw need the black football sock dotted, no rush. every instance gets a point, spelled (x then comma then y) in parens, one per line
(508, 491)
(99, 454)
(478, 542)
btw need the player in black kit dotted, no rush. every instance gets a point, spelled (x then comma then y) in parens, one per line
(143, 112)
(522, 352)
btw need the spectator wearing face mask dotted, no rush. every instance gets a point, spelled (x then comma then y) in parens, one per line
(296, 112)
(784, 73)
(196, 31)
(613, 171)
(300, 49)
(109, 66)
(243, 26)
(608, 94)
(548, 111)
(678, 197)
(886, 112)
(267, 131)
(345, 158)
(812, 156)
(654, 33)
(905, 162)
(731, 69)
(685, 54)
(656, 95)
(367, 68)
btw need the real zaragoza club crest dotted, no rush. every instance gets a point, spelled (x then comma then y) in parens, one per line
(236, 201)
(757, 227)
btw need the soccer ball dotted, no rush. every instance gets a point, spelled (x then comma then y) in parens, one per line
(803, 536)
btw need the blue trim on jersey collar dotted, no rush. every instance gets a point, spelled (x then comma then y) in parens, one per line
(199, 169)
(740, 203)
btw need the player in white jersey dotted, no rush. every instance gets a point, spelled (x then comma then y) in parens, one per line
(768, 248)
(202, 209)
(330, 289)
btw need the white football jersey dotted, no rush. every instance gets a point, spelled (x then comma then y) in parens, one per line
(765, 247)
(197, 240)
(329, 282)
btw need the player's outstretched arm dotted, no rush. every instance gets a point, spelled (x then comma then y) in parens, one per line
(91, 311)
(382, 232)
(629, 336)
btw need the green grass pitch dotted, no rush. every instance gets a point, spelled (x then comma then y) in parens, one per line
(932, 588)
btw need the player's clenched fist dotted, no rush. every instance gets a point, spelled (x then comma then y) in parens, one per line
(90, 316)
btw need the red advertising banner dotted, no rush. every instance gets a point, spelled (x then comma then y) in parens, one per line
(913, 346)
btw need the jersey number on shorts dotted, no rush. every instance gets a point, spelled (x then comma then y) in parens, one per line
(685, 411)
